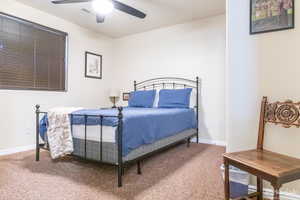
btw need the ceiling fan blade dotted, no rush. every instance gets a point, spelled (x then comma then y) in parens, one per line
(86, 10)
(100, 18)
(129, 10)
(69, 1)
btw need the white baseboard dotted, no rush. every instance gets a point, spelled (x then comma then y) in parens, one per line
(16, 150)
(268, 193)
(208, 141)
(31, 147)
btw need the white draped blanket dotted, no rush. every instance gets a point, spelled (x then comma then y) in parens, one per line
(59, 131)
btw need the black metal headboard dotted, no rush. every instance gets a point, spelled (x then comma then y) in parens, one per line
(172, 83)
(167, 82)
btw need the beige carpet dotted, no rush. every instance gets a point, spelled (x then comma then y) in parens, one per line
(180, 173)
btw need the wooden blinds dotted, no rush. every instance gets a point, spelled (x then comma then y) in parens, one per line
(31, 56)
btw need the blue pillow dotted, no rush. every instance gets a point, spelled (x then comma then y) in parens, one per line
(179, 98)
(143, 99)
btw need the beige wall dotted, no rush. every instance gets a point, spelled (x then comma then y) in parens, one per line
(17, 107)
(187, 50)
(264, 64)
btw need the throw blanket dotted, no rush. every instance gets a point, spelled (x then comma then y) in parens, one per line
(59, 132)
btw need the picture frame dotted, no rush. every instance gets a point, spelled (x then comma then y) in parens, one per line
(93, 65)
(126, 96)
(271, 15)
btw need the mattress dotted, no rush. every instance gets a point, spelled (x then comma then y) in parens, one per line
(93, 133)
(141, 126)
(110, 150)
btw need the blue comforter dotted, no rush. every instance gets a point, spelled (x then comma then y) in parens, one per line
(141, 125)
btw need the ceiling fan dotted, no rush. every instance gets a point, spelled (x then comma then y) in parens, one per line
(104, 7)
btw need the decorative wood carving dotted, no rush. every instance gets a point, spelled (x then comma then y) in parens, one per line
(285, 113)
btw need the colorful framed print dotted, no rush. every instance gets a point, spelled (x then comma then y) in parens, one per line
(271, 15)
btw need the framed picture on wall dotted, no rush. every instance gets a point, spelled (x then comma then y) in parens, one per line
(126, 96)
(271, 15)
(93, 65)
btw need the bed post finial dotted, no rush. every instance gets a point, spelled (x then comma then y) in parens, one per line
(134, 83)
(37, 108)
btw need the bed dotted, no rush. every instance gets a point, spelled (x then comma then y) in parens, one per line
(130, 134)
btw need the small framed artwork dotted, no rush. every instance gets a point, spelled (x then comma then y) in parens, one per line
(126, 96)
(271, 15)
(93, 65)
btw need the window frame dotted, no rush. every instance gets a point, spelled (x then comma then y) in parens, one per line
(48, 29)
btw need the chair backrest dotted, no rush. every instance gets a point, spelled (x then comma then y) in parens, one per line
(285, 113)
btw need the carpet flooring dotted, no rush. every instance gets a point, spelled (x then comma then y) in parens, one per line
(179, 173)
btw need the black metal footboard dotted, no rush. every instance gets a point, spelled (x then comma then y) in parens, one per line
(119, 163)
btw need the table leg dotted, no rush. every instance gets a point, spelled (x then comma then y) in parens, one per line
(260, 188)
(226, 180)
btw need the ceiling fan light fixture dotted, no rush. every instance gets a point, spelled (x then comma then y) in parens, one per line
(103, 7)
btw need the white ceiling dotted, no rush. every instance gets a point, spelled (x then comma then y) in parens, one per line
(160, 13)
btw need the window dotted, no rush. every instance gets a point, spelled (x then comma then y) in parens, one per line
(32, 56)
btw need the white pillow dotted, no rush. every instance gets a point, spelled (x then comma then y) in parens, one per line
(193, 100)
(156, 99)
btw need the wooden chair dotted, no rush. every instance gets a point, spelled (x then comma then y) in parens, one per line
(276, 168)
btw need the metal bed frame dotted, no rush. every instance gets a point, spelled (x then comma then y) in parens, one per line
(162, 83)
